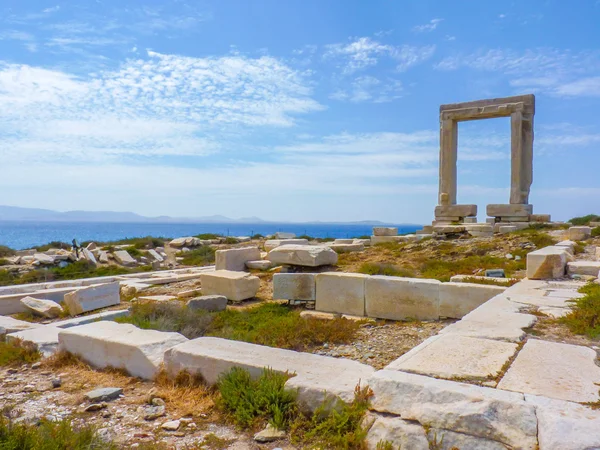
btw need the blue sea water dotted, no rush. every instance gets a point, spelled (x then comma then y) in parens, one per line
(21, 235)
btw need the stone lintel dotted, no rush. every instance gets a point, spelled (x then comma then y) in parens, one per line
(455, 211)
(482, 112)
(509, 210)
(528, 102)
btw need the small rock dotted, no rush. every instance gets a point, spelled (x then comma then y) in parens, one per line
(95, 407)
(508, 256)
(29, 388)
(269, 434)
(36, 365)
(172, 425)
(106, 414)
(12, 371)
(157, 401)
(153, 412)
(518, 258)
(105, 434)
(56, 383)
(103, 394)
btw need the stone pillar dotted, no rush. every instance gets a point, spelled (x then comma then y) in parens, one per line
(521, 175)
(448, 154)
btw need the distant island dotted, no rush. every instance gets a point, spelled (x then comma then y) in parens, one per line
(16, 213)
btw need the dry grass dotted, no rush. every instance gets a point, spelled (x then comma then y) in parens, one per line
(17, 352)
(187, 394)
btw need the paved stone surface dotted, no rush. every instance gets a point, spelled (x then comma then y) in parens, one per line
(10, 325)
(106, 315)
(555, 370)
(487, 413)
(342, 293)
(303, 255)
(449, 356)
(401, 433)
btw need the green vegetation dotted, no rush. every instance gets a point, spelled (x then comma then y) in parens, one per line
(269, 324)
(133, 251)
(595, 231)
(54, 244)
(139, 243)
(202, 256)
(230, 240)
(4, 262)
(489, 281)
(374, 268)
(49, 435)
(442, 270)
(537, 238)
(584, 317)
(585, 220)
(250, 401)
(17, 353)
(207, 236)
(6, 251)
(257, 236)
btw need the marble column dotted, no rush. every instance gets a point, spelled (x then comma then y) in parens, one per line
(521, 175)
(448, 155)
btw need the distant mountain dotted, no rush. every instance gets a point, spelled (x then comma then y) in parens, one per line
(16, 213)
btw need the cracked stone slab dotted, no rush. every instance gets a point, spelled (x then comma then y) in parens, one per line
(555, 370)
(450, 356)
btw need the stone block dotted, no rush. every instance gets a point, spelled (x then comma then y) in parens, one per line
(365, 242)
(45, 338)
(208, 303)
(124, 258)
(343, 241)
(470, 220)
(514, 219)
(93, 297)
(43, 258)
(479, 227)
(541, 218)
(385, 239)
(155, 255)
(451, 356)
(487, 413)
(394, 429)
(517, 225)
(235, 258)
(41, 307)
(385, 231)
(82, 320)
(347, 248)
(87, 254)
(260, 264)
(503, 210)
(547, 263)
(447, 219)
(455, 210)
(448, 229)
(284, 235)
(189, 241)
(273, 243)
(491, 220)
(10, 325)
(11, 303)
(579, 233)
(505, 229)
(555, 370)
(398, 298)
(568, 245)
(342, 293)
(119, 345)
(157, 298)
(467, 279)
(303, 255)
(236, 286)
(459, 299)
(294, 286)
(317, 378)
(583, 268)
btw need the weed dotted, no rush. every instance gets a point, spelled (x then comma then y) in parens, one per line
(490, 281)
(537, 238)
(374, 268)
(384, 445)
(579, 247)
(443, 270)
(214, 442)
(139, 243)
(208, 236)
(53, 244)
(230, 240)
(133, 251)
(584, 317)
(6, 251)
(584, 220)
(49, 435)
(202, 256)
(187, 393)
(17, 352)
(595, 231)
(248, 400)
(4, 262)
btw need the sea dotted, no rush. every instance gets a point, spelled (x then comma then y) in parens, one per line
(26, 234)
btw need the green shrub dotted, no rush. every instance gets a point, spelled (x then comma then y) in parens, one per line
(6, 277)
(133, 251)
(208, 236)
(230, 240)
(202, 256)
(16, 353)
(139, 243)
(442, 270)
(6, 251)
(54, 244)
(327, 239)
(585, 220)
(49, 435)
(305, 236)
(249, 401)
(595, 231)
(257, 236)
(537, 238)
(584, 317)
(4, 262)
(374, 268)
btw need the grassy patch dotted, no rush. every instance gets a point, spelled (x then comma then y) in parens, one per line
(49, 436)
(375, 268)
(585, 220)
(584, 317)
(134, 252)
(208, 236)
(537, 238)
(269, 324)
(443, 270)
(16, 353)
(252, 401)
(6, 251)
(490, 281)
(202, 256)
(595, 231)
(54, 244)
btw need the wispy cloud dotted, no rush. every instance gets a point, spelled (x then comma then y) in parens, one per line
(426, 28)
(368, 88)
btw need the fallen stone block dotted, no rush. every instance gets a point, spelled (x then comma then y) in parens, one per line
(260, 264)
(555, 370)
(318, 378)
(398, 298)
(189, 241)
(103, 394)
(208, 303)
(482, 412)
(505, 229)
(403, 434)
(343, 241)
(41, 307)
(542, 218)
(504, 210)
(155, 255)
(236, 286)
(342, 293)
(124, 258)
(157, 298)
(274, 243)
(568, 245)
(455, 210)
(294, 286)
(43, 258)
(235, 258)
(579, 233)
(303, 255)
(103, 257)
(89, 256)
(45, 338)
(385, 231)
(517, 225)
(547, 263)
(284, 235)
(119, 345)
(10, 325)
(189, 293)
(106, 315)
(456, 357)
(385, 239)
(347, 248)
(583, 268)
(11, 303)
(448, 229)
(459, 299)
(93, 297)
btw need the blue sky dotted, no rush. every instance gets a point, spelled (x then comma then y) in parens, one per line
(291, 110)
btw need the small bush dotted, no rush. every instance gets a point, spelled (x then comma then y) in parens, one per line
(257, 236)
(327, 239)
(54, 244)
(49, 436)
(202, 256)
(584, 317)
(537, 238)
(139, 243)
(6, 251)
(4, 262)
(595, 231)
(230, 241)
(208, 236)
(305, 236)
(17, 353)
(585, 220)
(249, 401)
(134, 251)
(373, 268)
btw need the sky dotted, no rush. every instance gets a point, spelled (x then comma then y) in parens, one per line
(291, 110)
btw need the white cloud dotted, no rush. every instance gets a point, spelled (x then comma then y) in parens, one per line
(51, 10)
(432, 25)
(368, 88)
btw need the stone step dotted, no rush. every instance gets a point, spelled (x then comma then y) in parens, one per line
(583, 268)
(318, 378)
